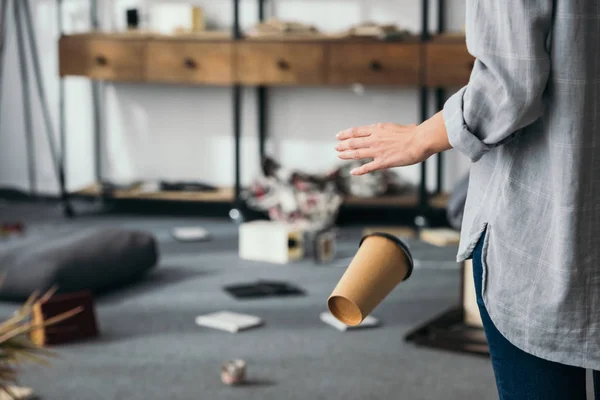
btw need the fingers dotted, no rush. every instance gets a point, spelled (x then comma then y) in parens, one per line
(356, 154)
(358, 132)
(353, 144)
(367, 168)
(363, 131)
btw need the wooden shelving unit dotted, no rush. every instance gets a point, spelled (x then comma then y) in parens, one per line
(228, 59)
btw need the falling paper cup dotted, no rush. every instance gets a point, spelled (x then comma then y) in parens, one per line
(381, 263)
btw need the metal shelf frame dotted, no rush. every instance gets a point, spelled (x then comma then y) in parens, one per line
(262, 97)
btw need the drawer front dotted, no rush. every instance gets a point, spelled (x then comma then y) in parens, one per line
(448, 64)
(104, 59)
(187, 62)
(280, 63)
(374, 63)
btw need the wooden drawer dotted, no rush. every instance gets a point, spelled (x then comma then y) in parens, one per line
(374, 63)
(448, 64)
(190, 62)
(102, 58)
(280, 63)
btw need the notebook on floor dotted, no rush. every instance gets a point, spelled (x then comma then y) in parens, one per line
(229, 321)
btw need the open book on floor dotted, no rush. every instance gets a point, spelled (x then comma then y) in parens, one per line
(369, 322)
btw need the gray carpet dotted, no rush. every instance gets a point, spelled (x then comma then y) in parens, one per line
(151, 349)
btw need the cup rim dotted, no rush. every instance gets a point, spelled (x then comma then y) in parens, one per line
(403, 246)
(355, 317)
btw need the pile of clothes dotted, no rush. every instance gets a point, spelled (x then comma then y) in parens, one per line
(313, 201)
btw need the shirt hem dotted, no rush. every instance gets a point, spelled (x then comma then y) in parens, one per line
(537, 351)
(506, 320)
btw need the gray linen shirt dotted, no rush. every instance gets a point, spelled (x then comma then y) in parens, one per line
(529, 120)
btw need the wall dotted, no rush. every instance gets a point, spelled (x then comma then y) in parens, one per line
(176, 132)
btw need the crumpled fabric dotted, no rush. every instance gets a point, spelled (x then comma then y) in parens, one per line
(311, 200)
(294, 197)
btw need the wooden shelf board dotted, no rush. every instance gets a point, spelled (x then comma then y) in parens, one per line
(195, 36)
(220, 195)
(406, 200)
(110, 35)
(455, 37)
(227, 195)
(227, 36)
(146, 35)
(327, 38)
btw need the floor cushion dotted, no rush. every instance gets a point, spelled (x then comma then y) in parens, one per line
(98, 260)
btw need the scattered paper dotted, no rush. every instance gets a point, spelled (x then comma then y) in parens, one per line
(190, 234)
(229, 321)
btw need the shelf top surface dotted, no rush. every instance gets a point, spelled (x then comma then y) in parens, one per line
(227, 36)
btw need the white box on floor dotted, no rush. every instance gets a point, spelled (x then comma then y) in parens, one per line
(270, 241)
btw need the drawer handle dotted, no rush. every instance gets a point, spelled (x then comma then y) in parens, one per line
(190, 63)
(376, 66)
(101, 60)
(283, 65)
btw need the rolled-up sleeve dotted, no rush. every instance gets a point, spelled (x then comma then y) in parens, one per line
(509, 40)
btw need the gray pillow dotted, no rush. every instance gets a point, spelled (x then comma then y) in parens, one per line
(92, 259)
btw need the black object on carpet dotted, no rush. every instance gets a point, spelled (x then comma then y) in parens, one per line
(263, 289)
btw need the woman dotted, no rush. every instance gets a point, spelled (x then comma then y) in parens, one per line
(529, 119)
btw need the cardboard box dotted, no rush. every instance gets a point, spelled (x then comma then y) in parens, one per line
(270, 241)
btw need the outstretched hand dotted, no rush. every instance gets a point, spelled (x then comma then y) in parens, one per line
(392, 145)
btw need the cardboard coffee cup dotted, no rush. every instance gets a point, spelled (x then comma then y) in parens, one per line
(381, 263)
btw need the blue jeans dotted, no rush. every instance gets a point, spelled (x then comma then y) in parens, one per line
(522, 376)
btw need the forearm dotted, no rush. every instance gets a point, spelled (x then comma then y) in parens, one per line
(505, 93)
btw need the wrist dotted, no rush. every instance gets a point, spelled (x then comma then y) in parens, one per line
(432, 137)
